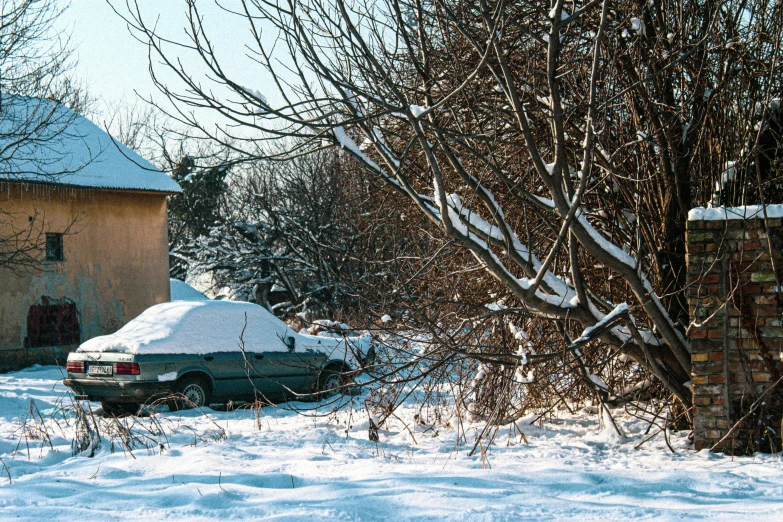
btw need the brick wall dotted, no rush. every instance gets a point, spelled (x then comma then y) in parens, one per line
(737, 334)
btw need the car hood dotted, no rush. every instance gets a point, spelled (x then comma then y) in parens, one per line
(354, 351)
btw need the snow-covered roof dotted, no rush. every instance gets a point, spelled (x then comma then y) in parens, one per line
(43, 142)
(181, 291)
(746, 212)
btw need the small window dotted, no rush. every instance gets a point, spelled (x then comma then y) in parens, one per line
(54, 247)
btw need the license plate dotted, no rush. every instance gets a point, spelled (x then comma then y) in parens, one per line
(99, 370)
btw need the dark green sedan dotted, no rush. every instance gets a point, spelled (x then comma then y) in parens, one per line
(196, 353)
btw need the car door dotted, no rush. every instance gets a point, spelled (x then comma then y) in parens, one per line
(288, 373)
(234, 374)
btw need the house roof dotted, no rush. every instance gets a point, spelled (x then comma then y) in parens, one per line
(44, 142)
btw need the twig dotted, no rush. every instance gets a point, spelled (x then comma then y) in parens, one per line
(753, 407)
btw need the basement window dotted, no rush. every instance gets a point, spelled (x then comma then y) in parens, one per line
(54, 247)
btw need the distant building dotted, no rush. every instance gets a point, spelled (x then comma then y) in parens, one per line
(96, 213)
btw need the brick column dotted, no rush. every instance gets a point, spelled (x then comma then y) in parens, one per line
(737, 339)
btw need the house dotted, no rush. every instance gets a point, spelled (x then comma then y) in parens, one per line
(83, 232)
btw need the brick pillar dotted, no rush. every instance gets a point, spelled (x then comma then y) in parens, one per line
(737, 336)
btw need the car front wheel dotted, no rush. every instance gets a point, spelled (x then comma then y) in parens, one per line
(190, 392)
(330, 383)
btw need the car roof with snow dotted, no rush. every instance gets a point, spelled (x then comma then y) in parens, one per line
(196, 327)
(201, 327)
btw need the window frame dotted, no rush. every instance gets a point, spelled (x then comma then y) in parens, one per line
(54, 253)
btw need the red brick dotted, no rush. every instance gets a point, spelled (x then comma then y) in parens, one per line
(698, 334)
(708, 279)
(710, 289)
(762, 377)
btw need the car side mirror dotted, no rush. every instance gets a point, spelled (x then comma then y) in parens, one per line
(291, 343)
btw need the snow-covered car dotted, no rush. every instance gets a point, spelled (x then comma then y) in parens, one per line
(195, 353)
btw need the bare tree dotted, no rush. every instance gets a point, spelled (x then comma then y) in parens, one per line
(39, 98)
(143, 129)
(35, 58)
(561, 145)
(293, 225)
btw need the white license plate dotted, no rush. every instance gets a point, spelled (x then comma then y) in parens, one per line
(99, 370)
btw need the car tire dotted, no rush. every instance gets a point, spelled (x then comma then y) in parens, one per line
(190, 392)
(330, 382)
(119, 409)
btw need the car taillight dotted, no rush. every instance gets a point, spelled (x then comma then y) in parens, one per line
(74, 366)
(125, 368)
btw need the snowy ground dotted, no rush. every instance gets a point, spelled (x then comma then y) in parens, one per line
(223, 466)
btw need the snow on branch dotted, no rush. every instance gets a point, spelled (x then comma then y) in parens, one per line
(347, 143)
(563, 292)
(611, 316)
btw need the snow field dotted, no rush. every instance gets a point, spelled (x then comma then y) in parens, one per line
(227, 465)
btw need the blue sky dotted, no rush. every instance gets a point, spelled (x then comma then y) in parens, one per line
(111, 62)
(114, 65)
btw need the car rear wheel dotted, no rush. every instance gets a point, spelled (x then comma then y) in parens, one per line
(119, 409)
(190, 392)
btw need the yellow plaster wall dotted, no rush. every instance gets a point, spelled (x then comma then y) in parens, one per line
(116, 258)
